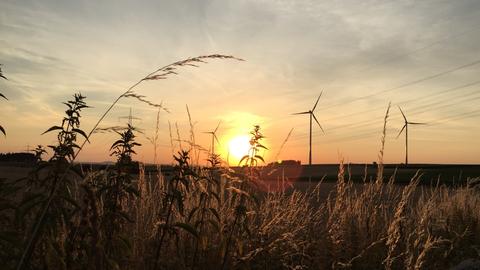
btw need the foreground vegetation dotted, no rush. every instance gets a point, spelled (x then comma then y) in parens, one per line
(61, 217)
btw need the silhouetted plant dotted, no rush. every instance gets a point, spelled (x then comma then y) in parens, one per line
(250, 162)
(123, 148)
(114, 192)
(39, 151)
(174, 198)
(54, 184)
(206, 212)
(251, 159)
(68, 130)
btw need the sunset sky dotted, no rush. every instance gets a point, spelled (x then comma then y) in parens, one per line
(421, 55)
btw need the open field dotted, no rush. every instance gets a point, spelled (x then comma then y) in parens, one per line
(432, 174)
(337, 224)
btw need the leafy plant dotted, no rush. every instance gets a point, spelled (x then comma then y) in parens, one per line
(250, 162)
(54, 184)
(251, 159)
(113, 192)
(174, 201)
(123, 148)
(39, 151)
(207, 211)
(69, 130)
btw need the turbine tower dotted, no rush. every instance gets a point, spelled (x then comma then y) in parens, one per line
(405, 127)
(130, 118)
(214, 137)
(312, 115)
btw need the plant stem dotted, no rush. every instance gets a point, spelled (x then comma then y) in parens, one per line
(169, 213)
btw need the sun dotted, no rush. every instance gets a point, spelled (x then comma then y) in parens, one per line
(238, 146)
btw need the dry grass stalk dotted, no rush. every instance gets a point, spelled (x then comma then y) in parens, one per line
(396, 230)
(382, 148)
(283, 144)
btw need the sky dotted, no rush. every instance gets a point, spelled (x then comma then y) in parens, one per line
(420, 55)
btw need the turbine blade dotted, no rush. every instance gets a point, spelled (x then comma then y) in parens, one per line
(416, 123)
(314, 106)
(217, 126)
(216, 139)
(300, 113)
(404, 117)
(318, 122)
(401, 131)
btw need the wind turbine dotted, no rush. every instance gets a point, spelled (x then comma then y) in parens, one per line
(214, 137)
(312, 115)
(405, 127)
(130, 118)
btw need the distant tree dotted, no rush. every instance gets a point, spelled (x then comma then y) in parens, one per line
(17, 157)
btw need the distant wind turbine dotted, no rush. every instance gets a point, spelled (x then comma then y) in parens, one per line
(312, 115)
(214, 137)
(405, 127)
(130, 118)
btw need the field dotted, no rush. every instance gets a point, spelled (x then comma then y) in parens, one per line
(332, 224)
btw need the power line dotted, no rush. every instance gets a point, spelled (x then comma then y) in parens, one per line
(416, 99)
(419, 109)
(433, 76)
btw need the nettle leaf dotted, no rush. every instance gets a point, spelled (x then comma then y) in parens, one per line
(215, 213)
(215, 195)
(52, 129)
(68, 104)
(260, 158)
(192, 213)
(187, 227)
(118, 142)
(261, 146)
(243, 158)
(81, 132)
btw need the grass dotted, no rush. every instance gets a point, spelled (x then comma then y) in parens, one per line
(210, 217)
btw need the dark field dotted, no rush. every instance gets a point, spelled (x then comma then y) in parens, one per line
(448, 174)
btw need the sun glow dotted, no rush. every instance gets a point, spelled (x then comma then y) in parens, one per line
(238, 146)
